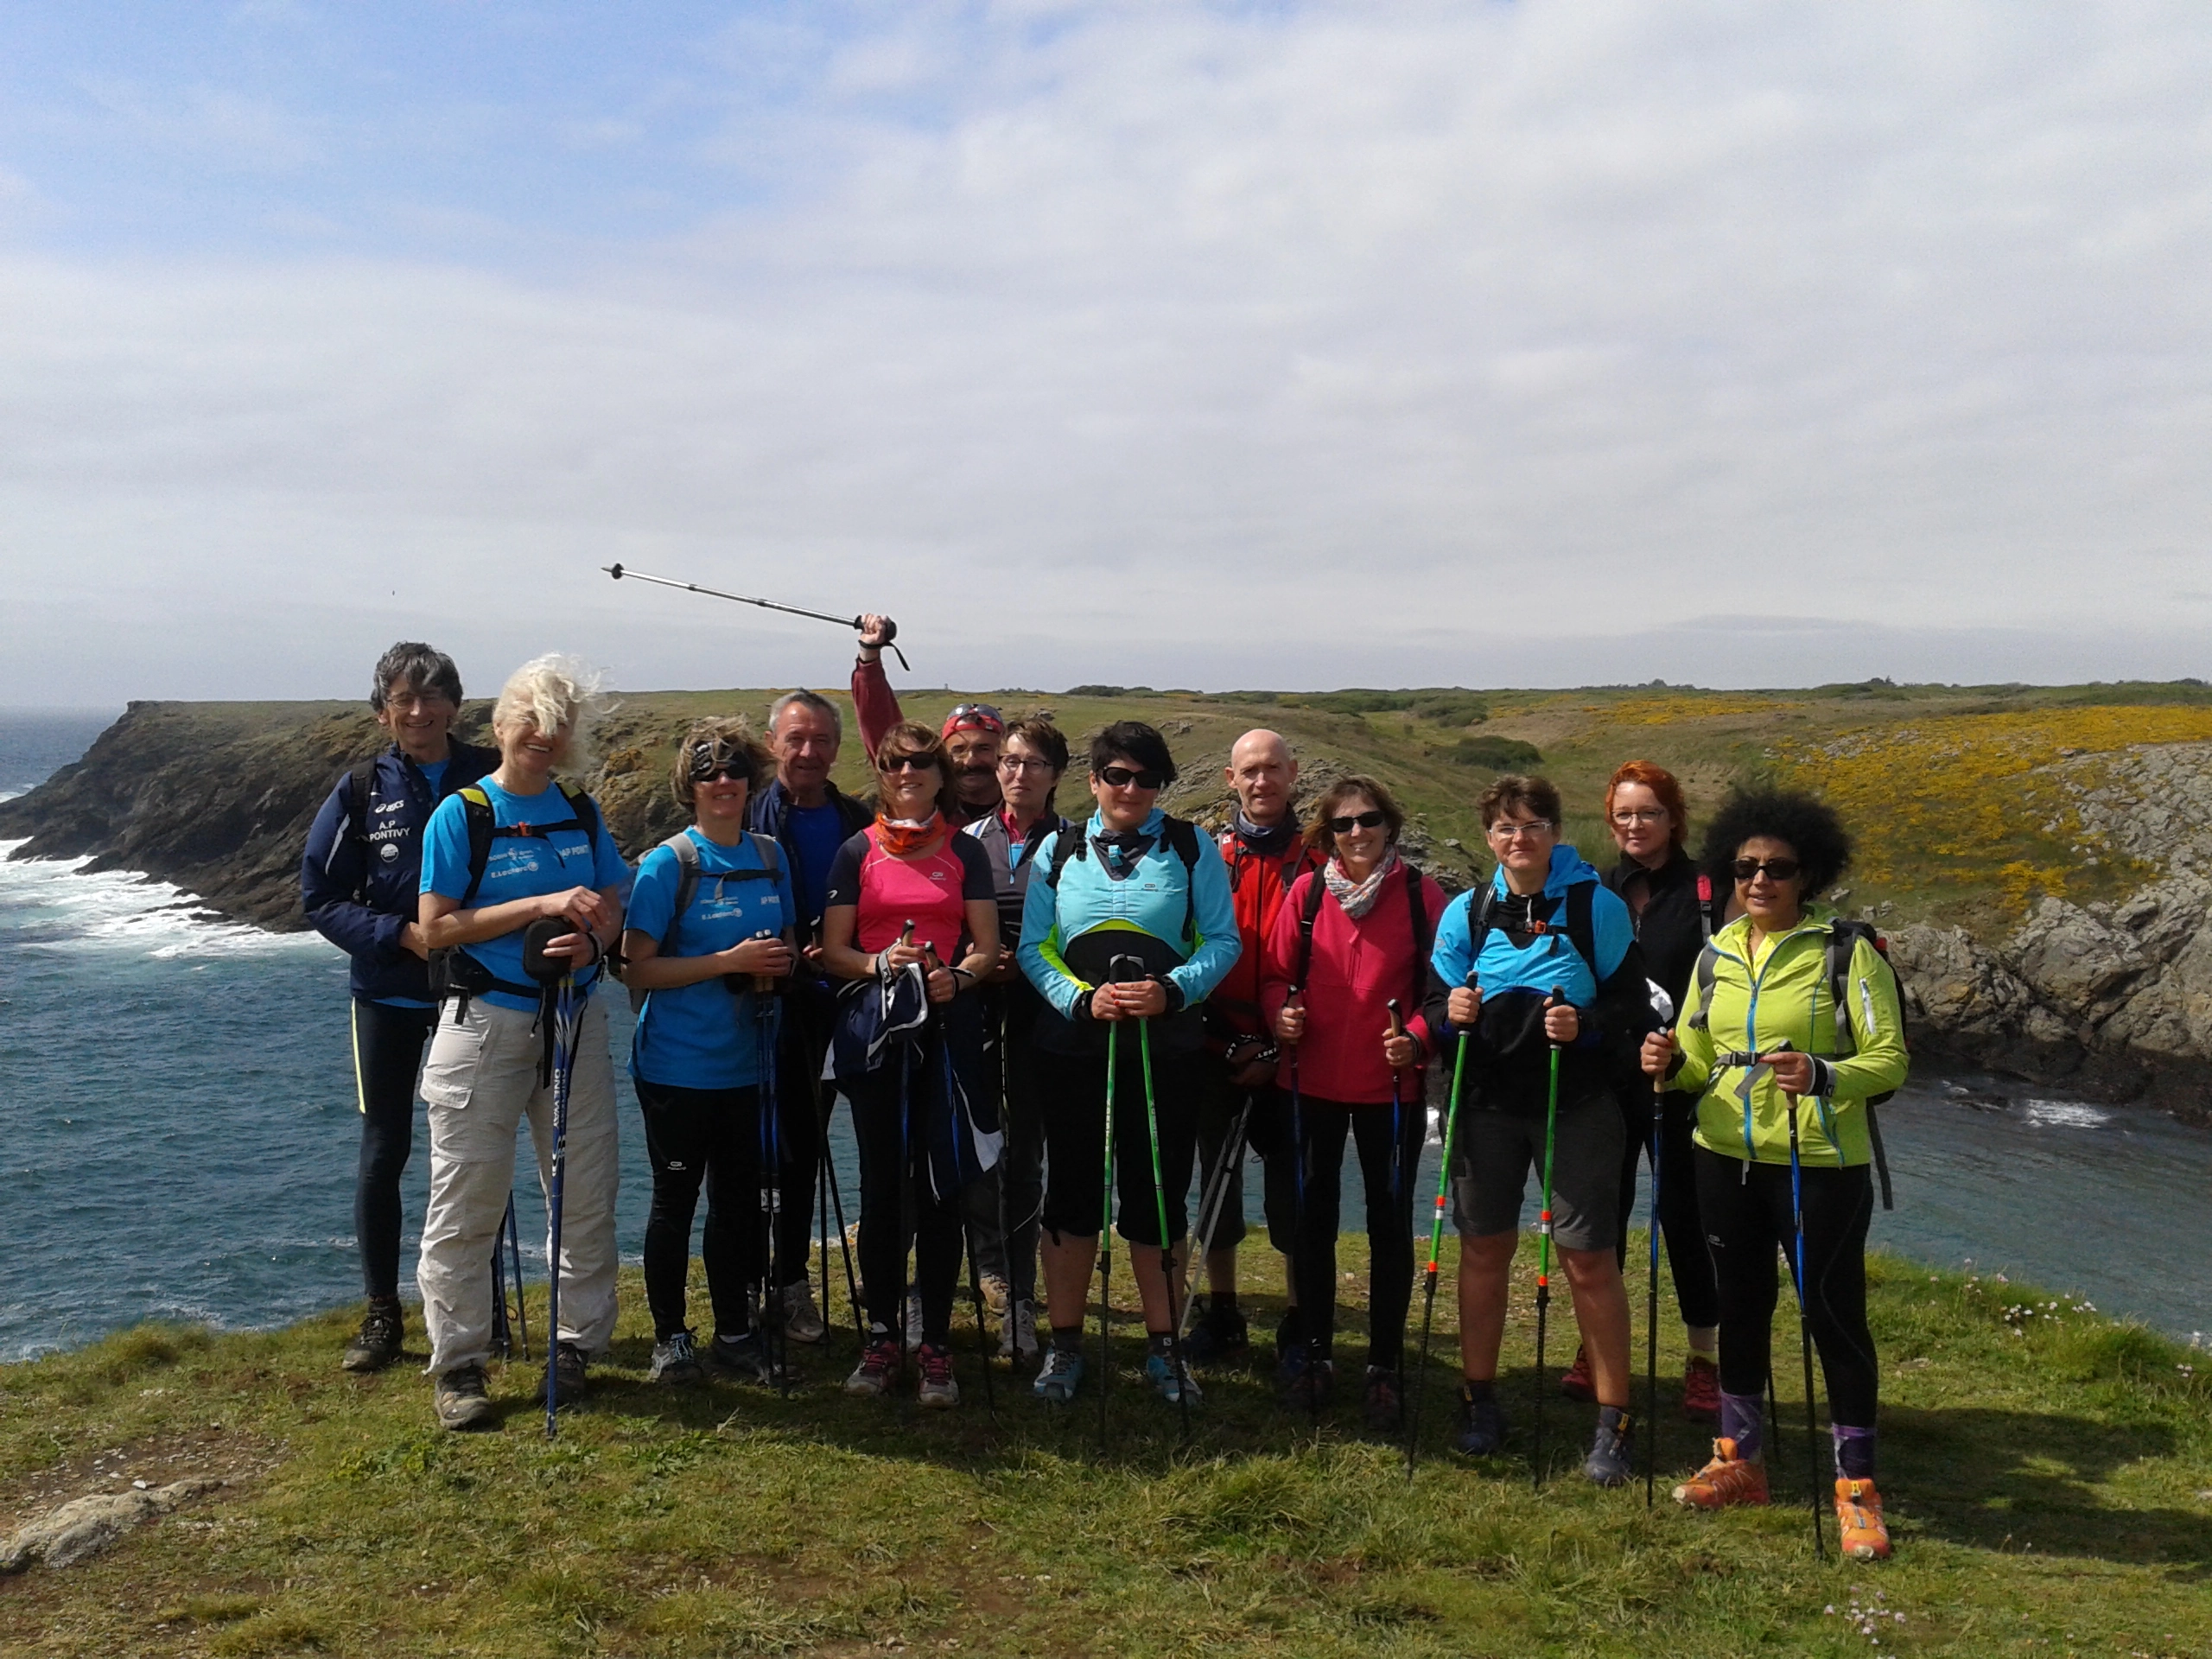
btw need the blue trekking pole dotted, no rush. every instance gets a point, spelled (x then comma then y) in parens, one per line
(564, 1056)
(775, 1343)
(1397, 1169)
(1544, 1241)
(1651, 1316)
(1804, 1327)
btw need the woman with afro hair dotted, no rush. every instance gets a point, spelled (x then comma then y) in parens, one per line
(1763, 1037)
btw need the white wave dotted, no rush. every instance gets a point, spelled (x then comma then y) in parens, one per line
(2065, 1114)
(117, 909)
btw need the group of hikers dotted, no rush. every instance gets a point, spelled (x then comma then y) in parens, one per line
(1043, 1025)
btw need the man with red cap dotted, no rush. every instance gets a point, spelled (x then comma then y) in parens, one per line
(972, 731)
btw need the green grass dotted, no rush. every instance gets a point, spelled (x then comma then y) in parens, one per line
(2050, 1480)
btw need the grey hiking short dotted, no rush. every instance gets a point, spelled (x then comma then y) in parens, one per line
(1498, 1151)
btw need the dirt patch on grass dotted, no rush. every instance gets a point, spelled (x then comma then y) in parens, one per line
(234, 1457)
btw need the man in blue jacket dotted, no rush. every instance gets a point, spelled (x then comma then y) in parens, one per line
(359, 883)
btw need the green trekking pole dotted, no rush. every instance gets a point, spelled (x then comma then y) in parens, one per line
(1436, 1248)
(1544, 1242)
(1159, 1208)
(1106, 1236)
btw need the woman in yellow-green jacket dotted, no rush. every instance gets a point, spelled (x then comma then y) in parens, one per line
(1791, 1007)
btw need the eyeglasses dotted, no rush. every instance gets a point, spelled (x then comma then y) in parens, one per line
(976, 714)
(1029, 764)
(1533, 829)
(1629, 818)
(1775, 869)
(890, 763)
(1345, 826)
(1122, 776)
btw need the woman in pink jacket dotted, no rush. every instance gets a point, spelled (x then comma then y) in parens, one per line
(1351, 938)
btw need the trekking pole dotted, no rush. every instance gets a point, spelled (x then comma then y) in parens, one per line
(967, 1225)
(890, 632)
(1397, 1185)
(502, 1335)
(775, 1340)
(514, 1256)
(1651, 1313)
(1211, 1202)
(1159, 1208)
(1308, 1318)
(1106, 1230)
(564, 1057)
(1544, 1240)
(908, 1202)
(1435, 1245)
(1804, 1329)
(825, 1108)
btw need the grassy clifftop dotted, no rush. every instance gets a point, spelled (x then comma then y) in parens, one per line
(2049, 1477)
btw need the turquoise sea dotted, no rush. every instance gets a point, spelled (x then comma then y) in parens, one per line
(178, 1135)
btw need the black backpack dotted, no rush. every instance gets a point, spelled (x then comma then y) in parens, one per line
(1576, 924)
(453, 970)
(1843, 941)
(688, 873)
(1179, 834)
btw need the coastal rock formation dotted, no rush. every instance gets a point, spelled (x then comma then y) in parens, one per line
(77, 1530)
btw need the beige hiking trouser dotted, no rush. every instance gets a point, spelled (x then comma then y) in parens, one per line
(479, 1082)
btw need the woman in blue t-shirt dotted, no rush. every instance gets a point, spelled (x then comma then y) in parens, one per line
(547, 856)
(704, 1051)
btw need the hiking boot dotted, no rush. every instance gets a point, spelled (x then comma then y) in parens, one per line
(1574, 1381)
(744, 1359)
(997, 1292)
(675, 1363)
(1169, 1373)
(1701, 1391)
(460, 1399)
(1305, 1380)
(1483, 1426)
(568, 1376)
(1018, 1333)
(1864, 1537)
(377, 1343)
(1611, 1461)
(879, 1360)
(803, 1321)
(1385, 1406)
(1728, 1479)
(1059, 1376)
(938, 1391)
(1218, 1333)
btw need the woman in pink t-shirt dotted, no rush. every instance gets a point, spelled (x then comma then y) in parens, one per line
(908, 868)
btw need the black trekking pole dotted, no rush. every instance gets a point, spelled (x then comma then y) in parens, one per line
(1435, 1246)
(1398, 1212)
(503, 1341)
(564, 1059)
(967, 1229)
(1544, 1238)
(908, 1200)
(775, 1341)
(1212, 1200)
(1160, 1210)
(891, 630)
(1804, 1329)
(514, 1258)
(1651, 1314)
(1307, 1317)
(825, 1108)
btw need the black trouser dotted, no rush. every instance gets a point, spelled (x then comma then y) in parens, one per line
(1075, 1136)
(802, 1113)
(898, 1209)
(1005, 1203)
(713, 1134)
(1266, 1133)
(1386, 1164)
(1695, 1290)
(387, 1057)
(1747, 1218)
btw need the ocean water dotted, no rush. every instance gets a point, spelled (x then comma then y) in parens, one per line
(178, 1133)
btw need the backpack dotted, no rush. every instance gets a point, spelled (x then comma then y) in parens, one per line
(1576, 924)
(1843, 941)
(1424, 939)
(1179, 834)
(452, 969)
(765, 848)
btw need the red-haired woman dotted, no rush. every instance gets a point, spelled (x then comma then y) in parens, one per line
(1658, 880)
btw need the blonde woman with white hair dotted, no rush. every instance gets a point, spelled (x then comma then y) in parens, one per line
(517, 849)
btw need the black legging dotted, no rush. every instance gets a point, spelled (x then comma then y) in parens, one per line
(898, 1209)
(1005, 1203)
(1696, 1292)
(803, 1103)
(713, 1134)
(1747, 1221)
(1387, 1164)
(1075, 1141)
(387, 1054)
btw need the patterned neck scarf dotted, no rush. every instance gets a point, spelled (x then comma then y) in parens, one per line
(1358, 897)
(904, 837)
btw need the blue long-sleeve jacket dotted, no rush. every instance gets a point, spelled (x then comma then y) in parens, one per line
(361, 872)
(1070, 931)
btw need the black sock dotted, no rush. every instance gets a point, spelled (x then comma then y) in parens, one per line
(1290, 1332)
(1067, 1339)
(1156, 1342)
(1224, 1303)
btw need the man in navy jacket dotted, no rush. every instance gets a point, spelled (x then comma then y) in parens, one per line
(360, 878)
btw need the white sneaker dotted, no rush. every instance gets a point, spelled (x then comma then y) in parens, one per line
(802, 1320)
(996, 1293)
(913, 1320)
(1018, 1333)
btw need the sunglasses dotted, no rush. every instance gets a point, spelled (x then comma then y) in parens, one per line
(1345, 826)
(906, 763)
(1122, 776)
(707, 765)
(1776, 869)
(980, 715)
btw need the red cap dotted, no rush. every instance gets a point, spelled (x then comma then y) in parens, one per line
(973, 717)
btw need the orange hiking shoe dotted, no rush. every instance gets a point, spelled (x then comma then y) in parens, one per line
(1574, 1382)
(1858, 1519)
(1727, 1480)
(1701, 1391)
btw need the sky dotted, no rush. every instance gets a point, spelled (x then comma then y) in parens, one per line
(1288, 345)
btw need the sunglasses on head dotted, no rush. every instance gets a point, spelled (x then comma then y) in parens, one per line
(1122, 776)
(1372, 819)
(980, 716)
(906, 763)
(707, 765)
(1776, 869)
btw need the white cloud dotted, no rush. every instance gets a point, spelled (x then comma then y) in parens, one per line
(1348, 345)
